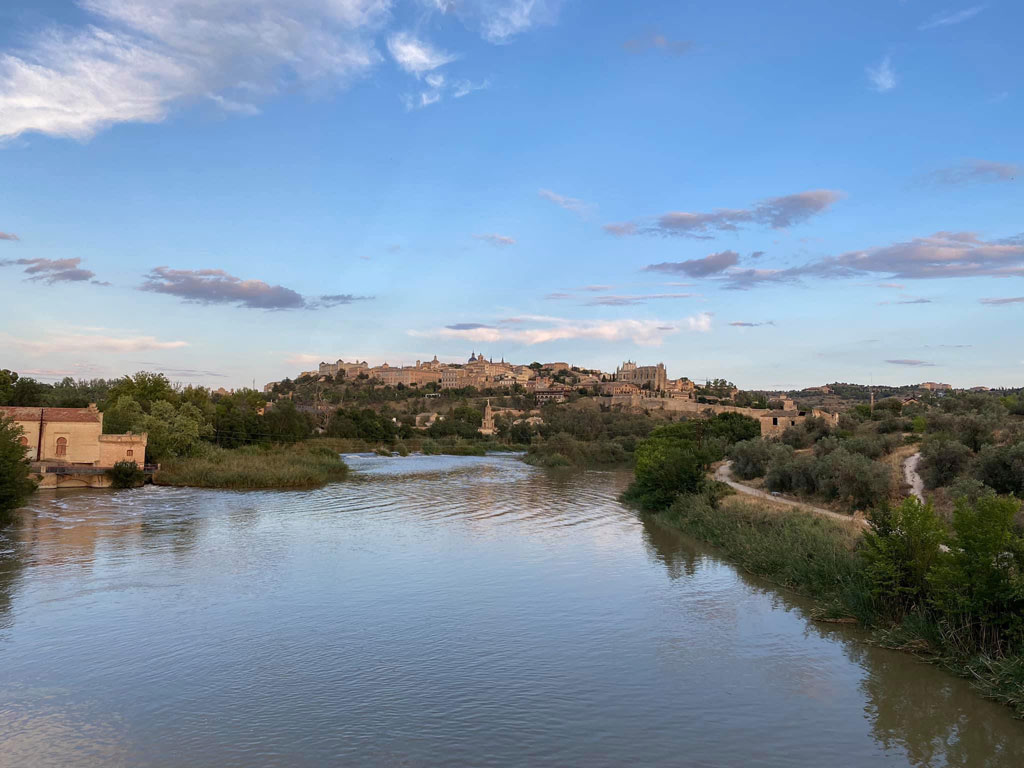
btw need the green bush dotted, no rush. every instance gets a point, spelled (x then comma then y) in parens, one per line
(899, 550)
(978, 586)
(666, 466)
(15, 483)
(942, 460)
(126, 474)
(1002, 468)
(750, 458)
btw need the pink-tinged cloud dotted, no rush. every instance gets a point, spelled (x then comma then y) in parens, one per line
(54, 270)
(499, 241)
(541, 330)
(215, 286)
(774, 212)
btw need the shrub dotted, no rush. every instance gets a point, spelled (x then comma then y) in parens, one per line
(899, 550)
(942, 459)
(978, 587)
(15, 483)
(665, 468)
(1002, 468)
(750, 458)
(126, 474)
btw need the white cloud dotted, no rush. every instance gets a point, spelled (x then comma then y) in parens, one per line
(700, 323)
(499, 241)
(415, 56)
(466, 87)
(530, 330)
(946, 19)
(502, 20)
(137, 59)
(304, 358)
(83, 342)
(573, 204)
(882, 77)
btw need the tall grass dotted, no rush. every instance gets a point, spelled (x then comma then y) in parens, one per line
(301, 465)
(810, 554)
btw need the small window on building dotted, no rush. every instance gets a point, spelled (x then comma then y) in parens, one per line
(129, 453)
(23, 441)
(62, 446)
(792, 423)
(775, 421)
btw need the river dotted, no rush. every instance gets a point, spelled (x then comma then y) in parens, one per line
(435, 611)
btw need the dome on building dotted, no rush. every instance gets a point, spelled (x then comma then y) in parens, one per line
(472, 358)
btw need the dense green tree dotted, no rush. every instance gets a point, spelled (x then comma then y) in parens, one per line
(1002, 468)
(145, 388)
(942, 460)
(899, 550)
(978, 586)
(15, 483)
(125, 415)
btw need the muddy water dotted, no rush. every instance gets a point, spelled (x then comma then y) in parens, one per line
(434, 611)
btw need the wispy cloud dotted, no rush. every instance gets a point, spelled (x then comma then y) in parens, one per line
(1002, 301)
(906, 300)
(8, 236)
(136, 59)
(558, 296)
(304, 358)
(467, 326)
(541, 330)
(709, 265)
(941, 255)
(574, 204)
(775, 212)
(215, 286)
(740, 324)
(499, 241)
(613, 300)
(911, 363)
(77, 342)
(882, 76)
(655, 41)
(55, 270)
(502, 20)
(416, 56)
(976, 170)
(597, 288)
(948, 18)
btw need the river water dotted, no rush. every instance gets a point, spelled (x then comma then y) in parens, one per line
(435, 611)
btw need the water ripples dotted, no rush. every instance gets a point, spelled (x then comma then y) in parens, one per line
(433, 610)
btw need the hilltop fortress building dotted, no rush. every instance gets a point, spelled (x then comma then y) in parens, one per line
(649, 377)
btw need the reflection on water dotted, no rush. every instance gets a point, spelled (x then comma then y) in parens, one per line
(435, 610)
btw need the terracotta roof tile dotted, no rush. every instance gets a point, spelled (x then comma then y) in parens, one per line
(51, 415)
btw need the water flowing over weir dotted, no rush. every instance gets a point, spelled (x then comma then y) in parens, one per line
(435, 610)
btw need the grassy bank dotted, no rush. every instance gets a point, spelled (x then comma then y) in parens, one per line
(301, 465)
(563, 450)
(448, 446)
(894, 579)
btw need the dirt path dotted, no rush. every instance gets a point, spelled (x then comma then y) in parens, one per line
(723, 475)
(913, 477)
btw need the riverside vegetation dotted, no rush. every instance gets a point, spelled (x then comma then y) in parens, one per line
(949, 588)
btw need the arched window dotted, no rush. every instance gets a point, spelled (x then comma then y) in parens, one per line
(23, 441)
(62, 446)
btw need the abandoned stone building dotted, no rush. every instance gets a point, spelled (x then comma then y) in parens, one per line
(67, 439)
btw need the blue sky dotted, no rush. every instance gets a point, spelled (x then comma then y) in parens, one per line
(782, 194)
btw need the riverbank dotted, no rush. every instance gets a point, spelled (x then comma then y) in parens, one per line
(300, 465)
(829, 561)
